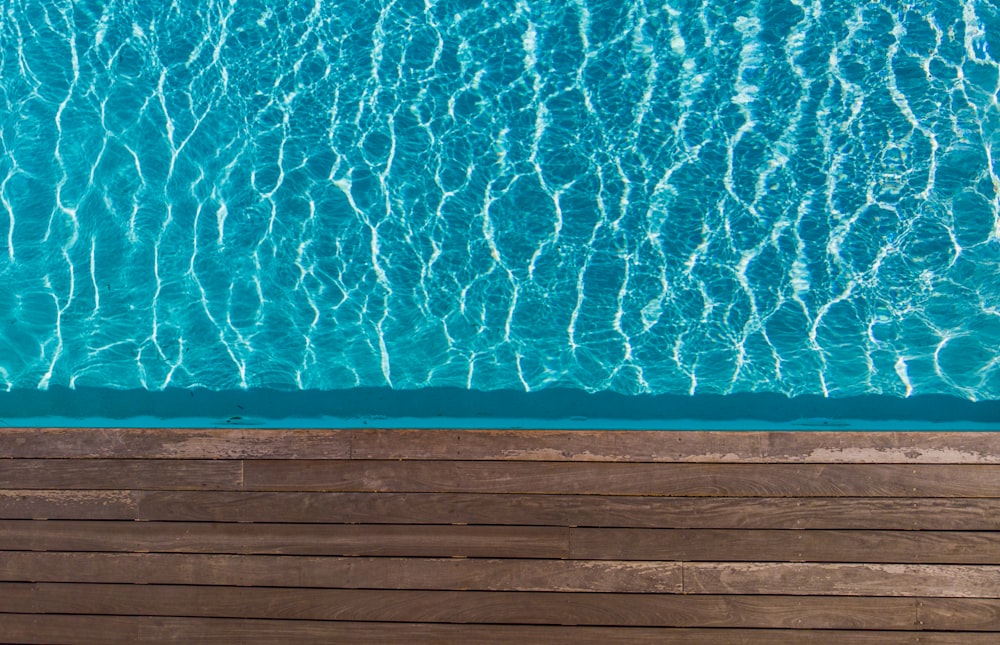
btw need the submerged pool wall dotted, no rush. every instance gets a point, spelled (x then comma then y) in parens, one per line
(453, 407)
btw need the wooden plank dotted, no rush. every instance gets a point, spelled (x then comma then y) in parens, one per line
(112, 474)
(435, 573)
(60, 504)
(173, 443)
(328, 572)
(57, 629)
(674, 446)
(572, 510)
(589, 609)
(931, 580)
(518, 445)
(959, 614)
(929, 547)
(287, 539)
(70, 630)
(682, 479)
(260, 631)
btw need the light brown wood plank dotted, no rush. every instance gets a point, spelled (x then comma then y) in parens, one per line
(125, 474)
(928, 547)
(287, 539)
(446, 574)
(671, 446)
(533, 445)
(100, 630)
(684, 479)
(61, 504)
(173, 443)
(572, 510)
(590, 609)
(959, 614)
(931, 580)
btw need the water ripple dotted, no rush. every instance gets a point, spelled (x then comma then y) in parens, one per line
(786, 196)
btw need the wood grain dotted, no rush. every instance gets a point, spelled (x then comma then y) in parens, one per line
(959, 614)
(930, 580)
(591, 609)
(173, 443)
(572, 510)
(124, 474)
(247, 535)
(405, 573)
(287, 539)
(517, 445)
(99, 630)
(342, 572)
(928, 547)
(684, 479)
(672, 446)
(63, 504)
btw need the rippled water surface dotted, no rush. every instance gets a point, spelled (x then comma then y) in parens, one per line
(795, 196)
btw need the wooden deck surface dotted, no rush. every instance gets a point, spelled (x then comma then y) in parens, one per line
(414, 536)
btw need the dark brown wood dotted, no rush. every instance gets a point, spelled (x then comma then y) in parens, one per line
(127, 474)
(62, 504)
(715, 480)
(959, 614)
(287, 539)
(341, 572)
(573, 510)
(667, 446)
(421, 573)
(592, 609)
(98, 630)
(249, 535)
(930, 580)
(173, 443)
(70, 630)
(928, 547)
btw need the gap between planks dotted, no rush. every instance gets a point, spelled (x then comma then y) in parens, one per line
(101, 630)
(512, 574)
(590, 609)
(476, 541)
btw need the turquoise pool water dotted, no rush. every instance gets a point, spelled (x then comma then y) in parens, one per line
(681, 198)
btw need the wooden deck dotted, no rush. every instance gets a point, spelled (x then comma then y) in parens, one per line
(241, 536)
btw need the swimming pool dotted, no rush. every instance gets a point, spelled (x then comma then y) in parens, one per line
(680, 199)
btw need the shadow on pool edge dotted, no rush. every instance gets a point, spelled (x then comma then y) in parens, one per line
(545, 407)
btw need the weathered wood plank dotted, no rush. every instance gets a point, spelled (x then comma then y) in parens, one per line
(931, 580)
(670, 446)
(959, 614)
(121, 474)
(442, 573)
(61, 504)
(589, 609)
(100, 630)
(180, 630)
(173, 443)
(572, 510)
(287, 539)
(928, 547)
(534, 445)
(671, 479)
(713, 545)
(44, 629)
(337, 572)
